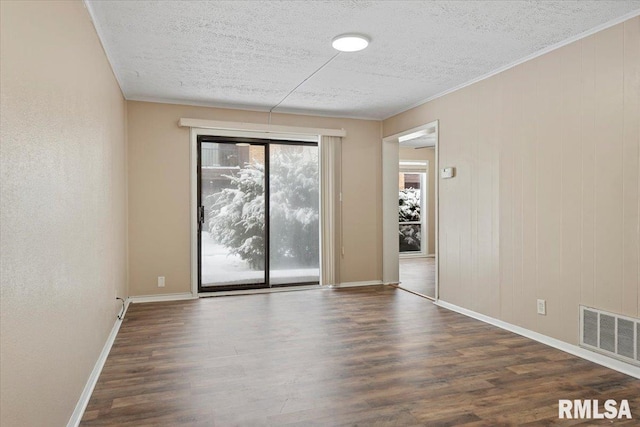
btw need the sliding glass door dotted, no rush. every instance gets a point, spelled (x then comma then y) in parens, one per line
(294, 206)
(258, 213)
(232, 215)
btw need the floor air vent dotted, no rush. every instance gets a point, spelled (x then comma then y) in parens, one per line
(611, 334)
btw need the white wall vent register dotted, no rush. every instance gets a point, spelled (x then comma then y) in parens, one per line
(610, 334)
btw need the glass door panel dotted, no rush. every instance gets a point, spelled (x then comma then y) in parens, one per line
(410, 212)
(294, 226)
(232, 208)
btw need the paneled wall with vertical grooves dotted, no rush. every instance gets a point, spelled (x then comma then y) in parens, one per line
(545, 203)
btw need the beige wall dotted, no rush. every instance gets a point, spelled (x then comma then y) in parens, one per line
(545, 201)
(428, 154)
(62, 216)
(159, 227)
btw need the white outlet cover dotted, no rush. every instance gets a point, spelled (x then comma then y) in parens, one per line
(542, 306)
(161, 281)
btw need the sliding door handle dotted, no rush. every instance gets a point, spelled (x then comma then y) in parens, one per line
(201, 215)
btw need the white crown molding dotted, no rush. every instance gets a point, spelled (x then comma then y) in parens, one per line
(600, 359)
(251, 108)
(100, 33)
(534, 55)
(305, 112)
(81, 406)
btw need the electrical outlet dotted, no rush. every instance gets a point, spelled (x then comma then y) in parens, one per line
(161, 281)
(542, 307)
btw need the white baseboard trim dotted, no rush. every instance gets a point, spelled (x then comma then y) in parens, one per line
(81, 406)
(602, 360)
(356, 284)
(162, 297)
(188, 295)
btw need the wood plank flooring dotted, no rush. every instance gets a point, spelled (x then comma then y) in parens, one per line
(374, 356)
(418, 275)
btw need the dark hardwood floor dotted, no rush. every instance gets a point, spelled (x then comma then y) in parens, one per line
(418, 275)
(374, 356)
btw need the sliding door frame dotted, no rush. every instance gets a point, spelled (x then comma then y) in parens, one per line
(200, 205)
(266, 284)
(200, 136)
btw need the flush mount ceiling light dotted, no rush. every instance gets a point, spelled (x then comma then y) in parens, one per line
(350, 42)
(242, 144)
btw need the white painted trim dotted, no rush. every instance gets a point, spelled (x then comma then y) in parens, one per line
(357, 284)
(193, 207)
(534, 55)
(605, 361)
(162, 297)
(101, 37)
(301, 137)
(390, 245)
(252, 108)
(436, 210)
(390, 168)
(410, 255)
(259, 127)
(85, 396)
(395, 137)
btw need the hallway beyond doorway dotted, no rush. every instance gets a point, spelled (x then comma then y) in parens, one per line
(418, 275)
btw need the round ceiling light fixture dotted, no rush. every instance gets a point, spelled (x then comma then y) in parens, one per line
(350, 42)
(242, 144)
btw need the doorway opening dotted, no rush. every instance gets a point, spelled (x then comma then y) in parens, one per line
(258, 213)
(410, 210)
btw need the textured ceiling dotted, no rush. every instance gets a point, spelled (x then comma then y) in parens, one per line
(251, 54)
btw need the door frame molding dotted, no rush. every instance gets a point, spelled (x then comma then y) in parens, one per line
(390, 171)
(193, 176)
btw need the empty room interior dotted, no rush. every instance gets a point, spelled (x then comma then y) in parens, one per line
(243, 213)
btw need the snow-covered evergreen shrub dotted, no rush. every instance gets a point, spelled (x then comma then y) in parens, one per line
(409, 205)
(294, 209)
(237, 217)
(409, 210)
